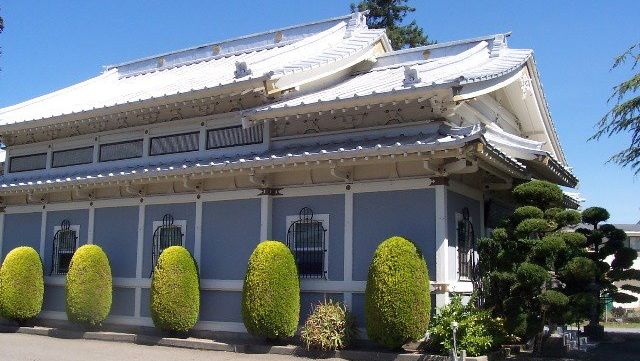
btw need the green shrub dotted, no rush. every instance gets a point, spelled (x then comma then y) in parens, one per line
(329, 327)
(594, 215)
(579, 271)
(541, 194)
(567, 217)
(478, 333)
(21, 284)
(397, 301)
(525, 212)
(271, 292)
(532, 276)
(88, 288)
(175, 291)
(532, 226)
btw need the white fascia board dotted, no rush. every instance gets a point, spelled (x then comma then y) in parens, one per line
(472, 90)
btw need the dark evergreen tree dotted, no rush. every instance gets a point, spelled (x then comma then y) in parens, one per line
(390, 14)
(607, 242)
(520, 265)
(624, 116)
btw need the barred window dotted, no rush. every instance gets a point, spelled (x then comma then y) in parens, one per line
(65, 242)
(63, 158)
(121, 150)
(466, 244)
(25, 163)
(233, 136)
(167, 233)
(306, 238)
(176, 143)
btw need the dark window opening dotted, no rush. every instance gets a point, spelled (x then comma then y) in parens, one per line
(25, 163)
(177, 143)
(64, 246)
(63, 158)
(166, 235)
(121, 150)
(306, 240)
(466, 246)
(233, 136)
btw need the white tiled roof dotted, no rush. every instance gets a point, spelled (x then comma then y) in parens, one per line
(268, 55)
(456, 63)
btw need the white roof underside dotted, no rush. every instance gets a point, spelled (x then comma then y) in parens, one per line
(212, 66)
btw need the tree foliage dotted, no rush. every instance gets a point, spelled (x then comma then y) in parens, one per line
(389, 14)
(624, 116)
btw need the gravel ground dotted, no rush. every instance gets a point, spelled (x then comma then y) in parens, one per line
(21, 347)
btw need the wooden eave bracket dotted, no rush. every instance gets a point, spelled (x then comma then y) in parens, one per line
(342, 173)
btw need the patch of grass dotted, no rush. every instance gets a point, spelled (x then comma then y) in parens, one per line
(621, 324)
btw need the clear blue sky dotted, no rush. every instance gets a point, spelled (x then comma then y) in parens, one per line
(51, 44)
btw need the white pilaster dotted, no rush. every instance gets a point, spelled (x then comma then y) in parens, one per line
(43, 232)
(442, 243)
(197, 247)
(348, 243)
(92, 214)
(266, 205)
(139, 254)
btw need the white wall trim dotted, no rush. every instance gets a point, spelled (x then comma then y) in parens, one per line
(266, 217)
(90, 225)
(348, 245)
(442, 242)
(43, 232)
(139, 254)
(197, 246)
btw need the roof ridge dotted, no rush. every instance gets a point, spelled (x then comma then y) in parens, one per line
(229, 40)
(446, 44)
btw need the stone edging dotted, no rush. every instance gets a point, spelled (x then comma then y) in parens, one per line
(206, 344)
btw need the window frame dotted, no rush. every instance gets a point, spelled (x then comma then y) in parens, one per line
(207, 147)
(53, 156)
(151, 154)
(141, 140)
(12, 158)
(72, 227)
(459, 218)
(323, 218)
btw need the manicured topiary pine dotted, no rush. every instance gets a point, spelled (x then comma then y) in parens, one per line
(271, 292)
(21, 284)
(522, 263)
(175, 291)
(397, 300)
(607, 242)
(89, 286)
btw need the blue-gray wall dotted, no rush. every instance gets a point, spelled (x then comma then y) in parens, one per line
(116, 231)
(221, 306)
(21, 229)
(455, 203)
(230, 232)
(54, 218)
(183, 211)
(380, 215)
(333, 205)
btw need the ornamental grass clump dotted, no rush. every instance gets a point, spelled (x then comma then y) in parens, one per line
(271, 292)
(397, 300)
(330, 326)
(88, 289)
(175, 291)
(21, 284)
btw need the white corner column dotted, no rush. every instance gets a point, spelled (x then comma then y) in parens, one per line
(266, 210)
(43, 232)
(139, 254)
(348, 244)
(91, 222)
(197, 247)
(442, 244)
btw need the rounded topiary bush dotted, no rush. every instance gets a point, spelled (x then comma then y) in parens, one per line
(330, 326)
(271, 292)
(21, 284)
(175, 291)
(541, 194)
(89, 286)
(397, 300)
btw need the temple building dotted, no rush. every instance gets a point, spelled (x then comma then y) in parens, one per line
(318, 135)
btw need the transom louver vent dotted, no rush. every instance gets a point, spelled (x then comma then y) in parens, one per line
(28, 162)
(177, 143)
(121, 150)
(233, 136)
(63, 158)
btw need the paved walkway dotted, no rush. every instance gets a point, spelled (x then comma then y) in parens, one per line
(21, 347)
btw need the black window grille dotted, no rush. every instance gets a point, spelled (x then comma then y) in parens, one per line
(233, 136)
(466, 246)
(64, 246)
(29, 162)
(175, 143)
(121, 150)
(63, 158)
(165, 235)
(306, 240)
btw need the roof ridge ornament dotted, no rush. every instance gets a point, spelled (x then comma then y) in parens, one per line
(242, 69)
(411, 76)
(499, 43)
(358, 21)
